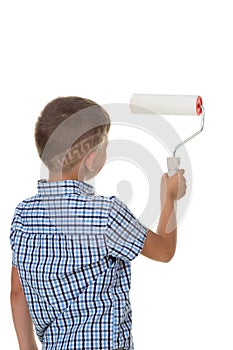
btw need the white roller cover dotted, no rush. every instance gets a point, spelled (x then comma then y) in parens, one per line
(166, 104)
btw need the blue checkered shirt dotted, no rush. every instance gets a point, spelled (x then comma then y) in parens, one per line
(73, 250)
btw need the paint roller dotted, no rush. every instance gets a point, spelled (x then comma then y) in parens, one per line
(170, 105)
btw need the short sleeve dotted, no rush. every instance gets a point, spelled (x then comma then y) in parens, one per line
(125, 234)
(15, 225)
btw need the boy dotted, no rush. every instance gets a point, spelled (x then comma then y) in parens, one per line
(72, 249)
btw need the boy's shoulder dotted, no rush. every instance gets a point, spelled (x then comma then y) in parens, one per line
(37, 201)
(28, 200)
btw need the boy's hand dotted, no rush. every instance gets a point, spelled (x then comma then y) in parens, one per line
(173, 187)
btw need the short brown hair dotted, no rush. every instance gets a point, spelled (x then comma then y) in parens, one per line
(67, 129)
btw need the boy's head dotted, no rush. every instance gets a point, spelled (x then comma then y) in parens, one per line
(71, 137)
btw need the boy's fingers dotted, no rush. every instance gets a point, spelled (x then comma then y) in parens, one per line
(181, 171)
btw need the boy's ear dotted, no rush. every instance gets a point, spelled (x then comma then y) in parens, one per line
(90, 160)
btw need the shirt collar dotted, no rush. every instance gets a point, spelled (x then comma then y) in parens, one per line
(46, 188)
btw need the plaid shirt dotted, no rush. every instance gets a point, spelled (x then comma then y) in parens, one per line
(73, 250)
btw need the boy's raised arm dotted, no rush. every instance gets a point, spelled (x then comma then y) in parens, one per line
(161, 246)
(21, 316)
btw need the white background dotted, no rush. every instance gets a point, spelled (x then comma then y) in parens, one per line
(107, 50)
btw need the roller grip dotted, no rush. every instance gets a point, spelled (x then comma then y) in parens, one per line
(172, 165)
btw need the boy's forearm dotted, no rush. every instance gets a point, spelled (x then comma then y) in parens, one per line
(22, 322)
(167, 222)
(167, 226)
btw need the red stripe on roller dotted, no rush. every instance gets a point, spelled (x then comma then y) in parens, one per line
(199, 105)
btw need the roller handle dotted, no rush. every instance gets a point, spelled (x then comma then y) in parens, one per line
(173, 164)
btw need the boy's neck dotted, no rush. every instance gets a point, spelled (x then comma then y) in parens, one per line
(61, 176)
(54, 178)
